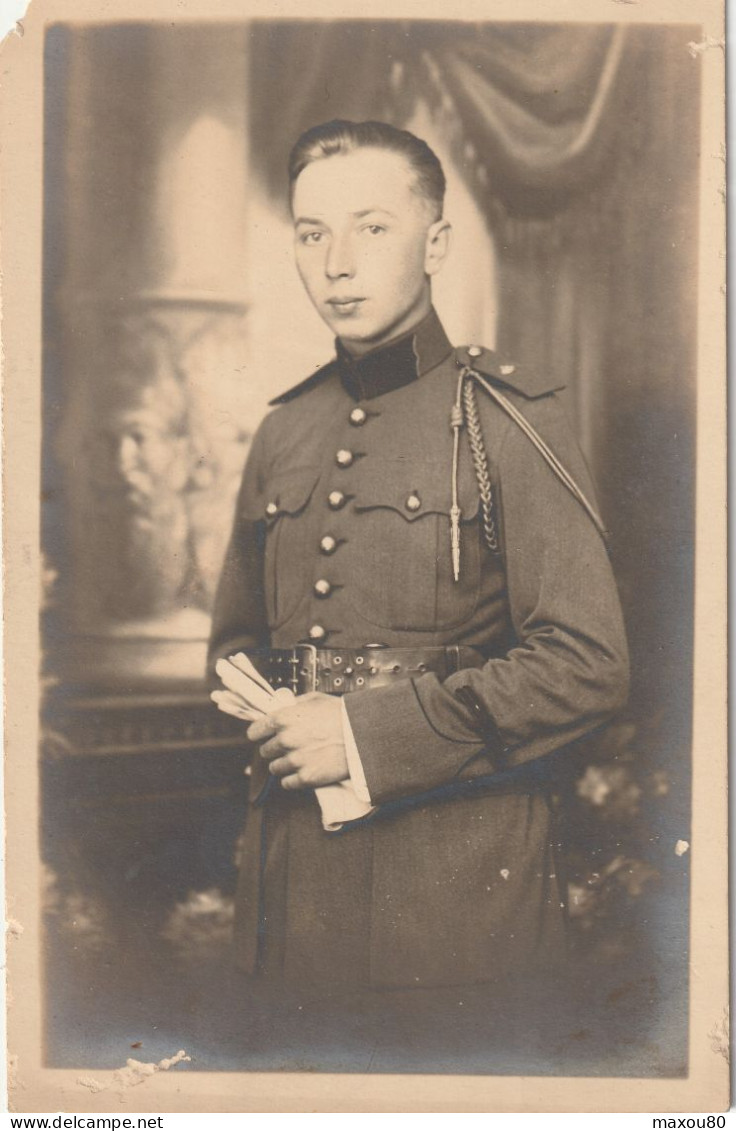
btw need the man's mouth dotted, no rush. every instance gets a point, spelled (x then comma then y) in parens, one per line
(345, 305)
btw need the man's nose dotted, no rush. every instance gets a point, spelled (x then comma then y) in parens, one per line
(340, 261)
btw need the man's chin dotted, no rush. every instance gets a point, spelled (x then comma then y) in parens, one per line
(360, 332)
(352, 336)
(353, 328)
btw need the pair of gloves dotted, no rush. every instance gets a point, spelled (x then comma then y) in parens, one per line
(248, 696)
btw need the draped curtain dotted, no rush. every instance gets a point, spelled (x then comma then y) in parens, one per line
(531, 108)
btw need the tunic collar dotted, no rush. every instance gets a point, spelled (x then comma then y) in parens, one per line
(396, 364)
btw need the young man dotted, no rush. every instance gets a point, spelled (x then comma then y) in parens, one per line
(421, 517)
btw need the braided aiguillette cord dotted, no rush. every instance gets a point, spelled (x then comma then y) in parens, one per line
(480, 462)
(465, 399)
(544, 450)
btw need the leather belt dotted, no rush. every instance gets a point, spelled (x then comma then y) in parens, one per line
(336, 671)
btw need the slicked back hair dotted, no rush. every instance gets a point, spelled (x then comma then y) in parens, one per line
(340, 136)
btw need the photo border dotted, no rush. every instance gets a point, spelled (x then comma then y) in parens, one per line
(36, 1088)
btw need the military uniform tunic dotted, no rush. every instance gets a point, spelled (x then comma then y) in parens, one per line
(342, 537)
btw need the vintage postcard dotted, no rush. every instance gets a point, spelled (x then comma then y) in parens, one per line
(364, 454)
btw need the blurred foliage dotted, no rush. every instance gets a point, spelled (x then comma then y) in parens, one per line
(81, 919)
(621, 838)
(199, 928)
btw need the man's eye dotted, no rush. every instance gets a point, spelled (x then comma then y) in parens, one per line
(374, 229)
(311, 237)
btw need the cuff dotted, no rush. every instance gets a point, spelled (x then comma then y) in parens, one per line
(355, 766)
(340, 806)
(402, 752)
(346, 800)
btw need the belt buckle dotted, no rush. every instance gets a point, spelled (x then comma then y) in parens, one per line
(303, 656)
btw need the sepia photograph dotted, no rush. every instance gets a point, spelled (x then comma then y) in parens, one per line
(370, 365)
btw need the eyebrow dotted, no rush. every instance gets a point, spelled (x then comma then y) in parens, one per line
(368, 211)
(357, 215)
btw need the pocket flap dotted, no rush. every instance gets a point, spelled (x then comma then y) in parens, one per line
(415, 489)
(288, 492)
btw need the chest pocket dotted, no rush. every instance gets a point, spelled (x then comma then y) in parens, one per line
(402, 574)
(286, 578)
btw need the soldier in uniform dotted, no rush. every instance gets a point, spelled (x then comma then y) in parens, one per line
(416, 551)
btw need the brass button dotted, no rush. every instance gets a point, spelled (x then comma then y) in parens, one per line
(328, 544)
(322, 588)
(507, 370)
(335, 500)
(317, 632)
(344, 458)
(358, 416)
(413, 503)
(474, 351)
(271, 509)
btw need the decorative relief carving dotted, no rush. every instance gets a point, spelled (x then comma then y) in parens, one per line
(155, 434)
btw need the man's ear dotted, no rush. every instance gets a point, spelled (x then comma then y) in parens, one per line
(437, 246)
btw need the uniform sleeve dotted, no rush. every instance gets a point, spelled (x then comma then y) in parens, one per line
(568, 670)
(239, 619)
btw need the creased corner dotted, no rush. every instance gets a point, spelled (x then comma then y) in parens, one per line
(91, 1084)
(707, 44)
(720, 1036)
(14, 928)
(137, 1071)
(133, 1072)
(12, 15)
(14, 1081)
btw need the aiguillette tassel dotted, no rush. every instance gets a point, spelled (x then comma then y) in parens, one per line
(456, 423)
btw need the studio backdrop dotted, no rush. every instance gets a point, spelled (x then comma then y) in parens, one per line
(173, 313)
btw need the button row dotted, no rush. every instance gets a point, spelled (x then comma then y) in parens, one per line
(344, 458)
(328, 543)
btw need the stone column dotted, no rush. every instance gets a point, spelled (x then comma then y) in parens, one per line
(155, 418)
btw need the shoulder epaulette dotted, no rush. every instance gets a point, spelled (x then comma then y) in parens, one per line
(528, 383)
(304, 386)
